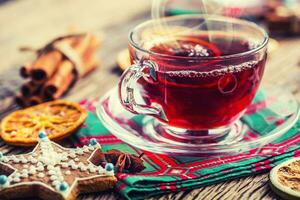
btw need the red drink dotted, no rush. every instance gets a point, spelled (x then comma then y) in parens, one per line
(196, 90)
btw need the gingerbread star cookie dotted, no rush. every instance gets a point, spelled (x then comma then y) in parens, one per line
(51, 171)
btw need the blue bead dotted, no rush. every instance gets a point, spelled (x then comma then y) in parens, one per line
(63, 186)
(42, 135)
(93, 141)
(109, 167)
(1, 155)
(3, 179)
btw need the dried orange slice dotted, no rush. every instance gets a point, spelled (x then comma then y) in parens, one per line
(284, 179)
(58, 119)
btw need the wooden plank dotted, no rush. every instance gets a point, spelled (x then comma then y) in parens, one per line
(34, 23)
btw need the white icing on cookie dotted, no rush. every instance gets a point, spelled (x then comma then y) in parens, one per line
(92, 169)
(85, 149)
(56, 182)
(51, 172)
(50, 167)
(41, 175)
(64, 158)
(18, 175)
(74, 166)
(83, 168)
(32, 170)
(16, 160)
(72, 155)
(64, 165)
(53, 178)
(68, 172)
(23, 159)
(24, 175)
(40, 168)
(33, 160)
(16, 179)
(80, 164)
(79, 151)
(91, 148)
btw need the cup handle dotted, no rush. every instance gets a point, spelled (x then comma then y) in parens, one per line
(146, 69)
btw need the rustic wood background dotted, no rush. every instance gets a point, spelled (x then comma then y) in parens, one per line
(36, 21)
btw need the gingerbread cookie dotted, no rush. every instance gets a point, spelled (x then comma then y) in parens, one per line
(58, 118)
(51, 171)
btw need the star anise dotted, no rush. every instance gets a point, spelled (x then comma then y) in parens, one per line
(125, 161)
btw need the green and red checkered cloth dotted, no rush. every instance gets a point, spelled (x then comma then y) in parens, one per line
(165, 174)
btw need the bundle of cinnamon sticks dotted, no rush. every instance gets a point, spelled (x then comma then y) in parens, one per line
(57, 67)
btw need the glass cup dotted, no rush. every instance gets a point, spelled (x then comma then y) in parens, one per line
(195, 74)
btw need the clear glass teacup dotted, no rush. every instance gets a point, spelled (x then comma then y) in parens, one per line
(195, 74)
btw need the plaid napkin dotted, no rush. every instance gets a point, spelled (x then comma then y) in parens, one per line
(165, 174)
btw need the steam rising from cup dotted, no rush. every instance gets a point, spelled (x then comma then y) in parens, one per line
(164, 31)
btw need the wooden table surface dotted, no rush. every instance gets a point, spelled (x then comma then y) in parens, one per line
(36, 21)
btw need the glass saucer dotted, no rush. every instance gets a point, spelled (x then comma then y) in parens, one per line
(271, 114)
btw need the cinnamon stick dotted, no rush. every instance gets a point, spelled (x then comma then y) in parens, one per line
(86, 48)
(90, 65)
(45, 66)
(92, 47)
(63, 78)
(82, 44)
(64, 88)
(34, 100)
(58, 79)
(30, 88)
(25, 70)
(54, 72)
(21, 100)
(88, 57)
